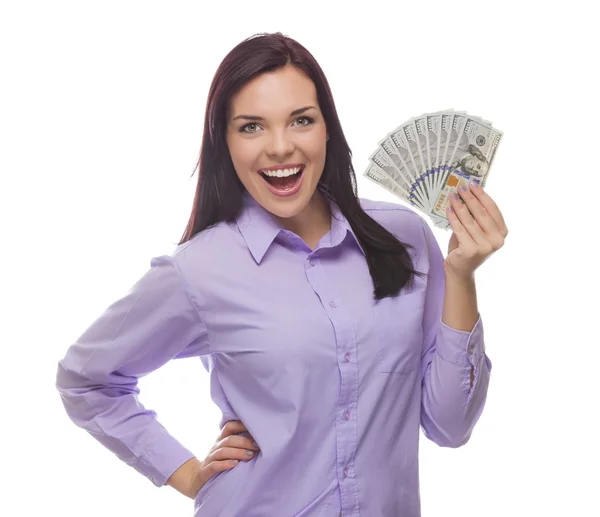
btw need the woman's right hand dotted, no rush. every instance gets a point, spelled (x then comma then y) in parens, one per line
(229, 449)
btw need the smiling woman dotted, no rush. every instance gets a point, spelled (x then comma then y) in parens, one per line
(320, 330)
(292, 148)
(269, 108)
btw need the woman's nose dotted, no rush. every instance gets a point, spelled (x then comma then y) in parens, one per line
(280, 144)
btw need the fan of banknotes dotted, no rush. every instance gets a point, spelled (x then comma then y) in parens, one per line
(428, 157)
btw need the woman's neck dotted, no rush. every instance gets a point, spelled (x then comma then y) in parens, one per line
(312, 223)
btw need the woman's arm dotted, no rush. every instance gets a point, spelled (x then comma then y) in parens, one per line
(460, 305)
(97, 379)
(455, 369)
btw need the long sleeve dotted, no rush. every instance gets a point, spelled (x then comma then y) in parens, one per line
(156, 321)
(450, 406)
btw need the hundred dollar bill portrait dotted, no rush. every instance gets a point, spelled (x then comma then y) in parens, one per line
(473, 164)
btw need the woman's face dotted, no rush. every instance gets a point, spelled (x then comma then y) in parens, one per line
(276, 134)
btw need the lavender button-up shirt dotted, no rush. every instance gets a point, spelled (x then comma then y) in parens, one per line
(333, 385)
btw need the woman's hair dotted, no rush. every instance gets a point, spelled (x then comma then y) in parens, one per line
(219, 191)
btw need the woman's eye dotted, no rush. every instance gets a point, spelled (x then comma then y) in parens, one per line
(310, 120)
(243, 128)
(247, 125)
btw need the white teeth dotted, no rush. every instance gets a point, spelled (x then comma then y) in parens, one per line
(282, 172)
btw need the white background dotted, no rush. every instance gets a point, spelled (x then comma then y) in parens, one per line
(101, 117)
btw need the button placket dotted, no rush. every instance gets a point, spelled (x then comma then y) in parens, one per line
(345, 348)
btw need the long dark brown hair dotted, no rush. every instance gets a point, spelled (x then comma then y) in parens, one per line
(219, 191)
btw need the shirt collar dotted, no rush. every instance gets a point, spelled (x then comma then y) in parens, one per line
(259, 229)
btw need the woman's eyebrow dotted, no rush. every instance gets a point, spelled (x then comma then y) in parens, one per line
(254, 117)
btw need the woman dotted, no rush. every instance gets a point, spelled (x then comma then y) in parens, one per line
(331, 326)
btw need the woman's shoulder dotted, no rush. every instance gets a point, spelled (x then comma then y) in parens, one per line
(401, 220)
(207, 248)
(373, 205)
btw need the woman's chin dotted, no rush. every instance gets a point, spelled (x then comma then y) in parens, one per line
(285, 207)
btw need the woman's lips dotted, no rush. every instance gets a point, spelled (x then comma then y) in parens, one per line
(284, 192)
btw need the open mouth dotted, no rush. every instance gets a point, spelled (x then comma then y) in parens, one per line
(283, 181)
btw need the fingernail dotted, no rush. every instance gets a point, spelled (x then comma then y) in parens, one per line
(235, 462)
(463, 188)
(454, 196)
(249, 453)
(255, 444)
(474, 184)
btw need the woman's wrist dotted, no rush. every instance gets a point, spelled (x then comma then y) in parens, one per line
(186, 479)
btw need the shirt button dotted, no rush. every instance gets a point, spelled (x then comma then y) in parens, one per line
(471, 348)
(345, 472)
(346, 415)
(332, 304)
(347, 357)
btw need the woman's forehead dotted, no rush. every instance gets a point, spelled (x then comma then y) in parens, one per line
(275, 91)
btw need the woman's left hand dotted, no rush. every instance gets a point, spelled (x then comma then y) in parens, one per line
(475, 237)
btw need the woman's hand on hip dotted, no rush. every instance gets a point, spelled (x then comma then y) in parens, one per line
(229, 449)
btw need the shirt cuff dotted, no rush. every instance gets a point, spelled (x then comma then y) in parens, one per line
(460, 346)
(161, 460)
